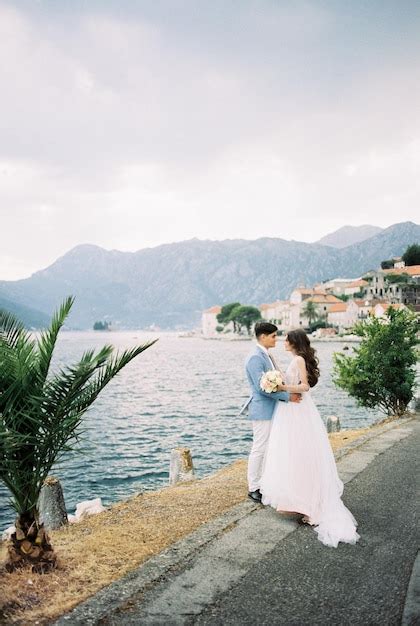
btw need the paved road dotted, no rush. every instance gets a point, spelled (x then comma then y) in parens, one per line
(302, 582)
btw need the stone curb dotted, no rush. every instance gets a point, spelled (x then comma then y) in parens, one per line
(411, 614)
(376, 431)
(135, 583)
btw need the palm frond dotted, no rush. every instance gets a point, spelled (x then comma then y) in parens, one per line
(41, 415)
(48, 338)
(11, 329)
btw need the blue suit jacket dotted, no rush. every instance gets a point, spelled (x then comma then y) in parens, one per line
(262, 404)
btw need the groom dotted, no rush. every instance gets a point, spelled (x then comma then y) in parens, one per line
(262, 404)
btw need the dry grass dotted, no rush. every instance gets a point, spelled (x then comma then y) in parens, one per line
(104, 547)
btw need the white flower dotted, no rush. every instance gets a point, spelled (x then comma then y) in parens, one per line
(271, 380)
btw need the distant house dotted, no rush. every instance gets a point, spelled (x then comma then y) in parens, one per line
(381, 308)
(359, 309)
(209, 321)
(398, 285)
(398, 262)
(281, 313)
(298, 299)
(337, 315)
(272, 311)
(300, 294)
(323, 302)
(337, 286)
(345, 314)
(356, 286)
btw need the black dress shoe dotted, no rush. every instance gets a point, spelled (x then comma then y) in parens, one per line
(255, 495)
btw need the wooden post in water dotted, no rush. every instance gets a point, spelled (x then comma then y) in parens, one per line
(181, 467)
(333, 424)
(51, 505)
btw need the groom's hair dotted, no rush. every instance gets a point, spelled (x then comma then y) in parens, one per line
(265, 328)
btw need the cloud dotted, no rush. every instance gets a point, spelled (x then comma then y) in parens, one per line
(132, 125)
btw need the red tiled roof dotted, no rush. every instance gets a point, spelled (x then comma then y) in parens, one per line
(411, 270)
(324, 299)
(364, 303)
(272, 305)
(340, 307)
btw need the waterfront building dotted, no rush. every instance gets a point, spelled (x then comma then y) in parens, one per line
(209, 321)
(337, 315)
(273, 311)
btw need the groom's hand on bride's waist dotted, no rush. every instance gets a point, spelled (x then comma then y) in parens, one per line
(295, 397)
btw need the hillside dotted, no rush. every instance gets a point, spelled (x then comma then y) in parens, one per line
(171, 284)
(30, 317)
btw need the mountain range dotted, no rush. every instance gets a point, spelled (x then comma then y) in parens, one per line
(171, 284)
(348, 235)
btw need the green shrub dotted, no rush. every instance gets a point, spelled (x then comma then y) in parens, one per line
(387, 265)
(393, 279)
(382, 373)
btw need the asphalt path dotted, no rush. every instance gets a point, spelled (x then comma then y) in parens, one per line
(303, 582)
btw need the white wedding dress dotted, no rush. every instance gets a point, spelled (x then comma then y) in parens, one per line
(300, 474)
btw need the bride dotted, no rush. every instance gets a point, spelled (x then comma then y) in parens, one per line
(300, 474)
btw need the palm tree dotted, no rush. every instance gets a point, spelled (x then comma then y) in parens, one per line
(40, 419)
(310, 311)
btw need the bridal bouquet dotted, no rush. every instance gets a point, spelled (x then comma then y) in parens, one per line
(271, 380)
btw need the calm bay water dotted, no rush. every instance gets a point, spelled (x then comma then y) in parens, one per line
(180, 392)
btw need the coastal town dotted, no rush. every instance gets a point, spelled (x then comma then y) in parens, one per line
(336, 304)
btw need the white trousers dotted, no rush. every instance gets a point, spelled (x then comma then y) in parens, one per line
(261, 432)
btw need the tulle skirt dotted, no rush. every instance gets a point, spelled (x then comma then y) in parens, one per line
(300, 473)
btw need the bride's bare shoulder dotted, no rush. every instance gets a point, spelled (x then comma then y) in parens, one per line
(299, 359)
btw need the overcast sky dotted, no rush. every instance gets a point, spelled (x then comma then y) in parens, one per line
(134, 123)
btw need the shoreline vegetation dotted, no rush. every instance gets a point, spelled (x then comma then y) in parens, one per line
(104, 547)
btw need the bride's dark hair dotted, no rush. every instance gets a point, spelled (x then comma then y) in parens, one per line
(301, 345)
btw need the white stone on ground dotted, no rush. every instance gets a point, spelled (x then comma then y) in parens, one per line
(88, 507)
